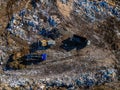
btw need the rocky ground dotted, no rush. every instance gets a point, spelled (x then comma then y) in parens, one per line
(95, 67)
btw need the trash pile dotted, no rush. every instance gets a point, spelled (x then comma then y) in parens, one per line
(19, 82)
(99, 78)
(85, 79)
(14, 81)
(28, 23)
(95, 10)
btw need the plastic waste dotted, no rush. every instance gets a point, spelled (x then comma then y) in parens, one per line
(22, 12)
(114, 11)
(52, 22)
(30, 23)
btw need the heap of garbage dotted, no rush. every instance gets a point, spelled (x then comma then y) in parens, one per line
(86, 79)
(95, 10)
(28, 23)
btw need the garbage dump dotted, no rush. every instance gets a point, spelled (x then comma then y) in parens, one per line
(38, 27)
(41, 22)
(15, 81)
(26, 21)
(89, 80)
(85, 79)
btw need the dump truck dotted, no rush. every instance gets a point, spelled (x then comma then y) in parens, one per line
(75, 42)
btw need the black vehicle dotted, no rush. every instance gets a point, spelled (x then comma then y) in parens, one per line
(75, 42)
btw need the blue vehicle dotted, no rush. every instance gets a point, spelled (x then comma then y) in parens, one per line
(44, 56)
